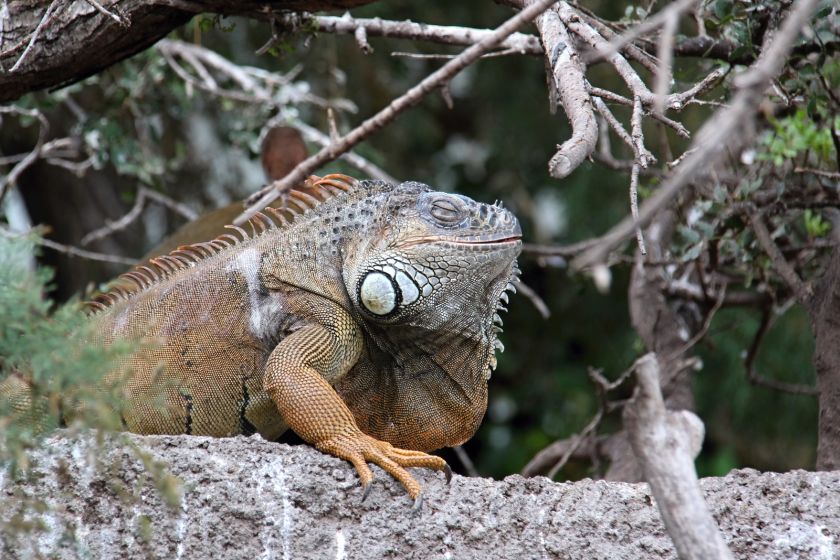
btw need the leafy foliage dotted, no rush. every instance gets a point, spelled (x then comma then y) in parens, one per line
(51, 376)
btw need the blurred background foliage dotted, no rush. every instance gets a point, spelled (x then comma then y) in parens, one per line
(142, 126)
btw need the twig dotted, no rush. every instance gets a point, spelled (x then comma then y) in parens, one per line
(604, 153)
(534, 298)
(666, 443)
(707, 323)
(465, 460)
(128, 218)
(630, 50)
(620, 99)
(449, 35)
(613, 123)
(440, 56)
(641, 160)
(784, 268)
(177, 207)
(752, 353)
(72, 251)
(361, 39)
(600, 45)
(671, 11)
(33, 155)
(643, 155)
(101, 9)
(819, 172)
(566, 79)
(4, 16)
(252, 85)
(584, 444)
(117, 225)
(44, 20)
(577, 440)
(666, 55)
(717, 132)
(694, 292)
(566, 251)
(267, 195)
(634, 205)
(556, 453)
(362, 164)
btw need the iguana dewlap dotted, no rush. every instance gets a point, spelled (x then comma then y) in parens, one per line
(362, 316)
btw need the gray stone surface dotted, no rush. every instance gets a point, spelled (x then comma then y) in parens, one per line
(248, 498)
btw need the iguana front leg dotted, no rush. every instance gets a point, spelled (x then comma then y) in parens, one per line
(297, 377)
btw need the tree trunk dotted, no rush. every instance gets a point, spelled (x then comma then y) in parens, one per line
(664, 329)
(824, 309)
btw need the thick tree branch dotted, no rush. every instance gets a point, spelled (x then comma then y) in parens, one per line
(70, 40)
(253, 498)
(566, 79)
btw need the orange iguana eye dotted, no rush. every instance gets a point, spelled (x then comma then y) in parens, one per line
(446, 210)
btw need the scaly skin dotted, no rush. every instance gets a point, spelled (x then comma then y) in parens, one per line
(365, 324)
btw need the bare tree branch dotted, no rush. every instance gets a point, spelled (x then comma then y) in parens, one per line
(11, 178)
(72, 251)
(752, 353)
(362, 164)
(784, 268)
(521, 43)
(566, 78)
(716, 133)
(129, 217)
(413, 96)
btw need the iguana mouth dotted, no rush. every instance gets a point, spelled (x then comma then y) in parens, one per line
(484, 242)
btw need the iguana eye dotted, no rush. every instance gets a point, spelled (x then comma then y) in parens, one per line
(446, 210)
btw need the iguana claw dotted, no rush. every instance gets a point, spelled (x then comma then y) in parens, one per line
(448, 472)
(366, 490)
(418, 504)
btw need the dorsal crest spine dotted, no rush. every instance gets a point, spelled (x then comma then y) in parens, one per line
(296, 202)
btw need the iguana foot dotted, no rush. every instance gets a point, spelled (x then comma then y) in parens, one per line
(361, 449)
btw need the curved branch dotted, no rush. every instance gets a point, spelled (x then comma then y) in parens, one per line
(567, 79)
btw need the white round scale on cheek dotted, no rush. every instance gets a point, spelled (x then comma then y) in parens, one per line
(377, 294)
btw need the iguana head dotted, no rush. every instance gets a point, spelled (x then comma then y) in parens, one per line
(427, 286)
(437, 258)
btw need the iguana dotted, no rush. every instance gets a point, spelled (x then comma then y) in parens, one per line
(362, 315)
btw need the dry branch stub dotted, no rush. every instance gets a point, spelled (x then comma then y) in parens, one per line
(666, 443)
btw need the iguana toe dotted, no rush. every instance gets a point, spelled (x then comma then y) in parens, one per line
(361, 449)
